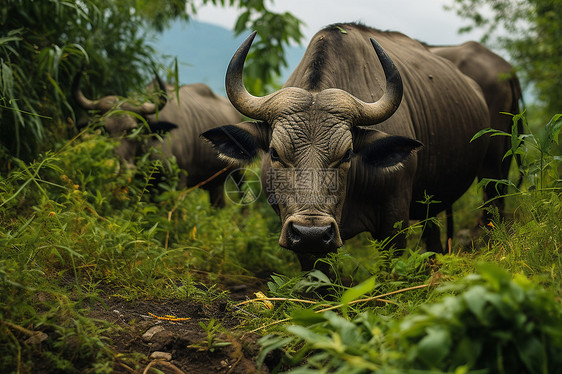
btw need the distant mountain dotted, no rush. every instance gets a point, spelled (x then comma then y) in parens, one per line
(204, 50)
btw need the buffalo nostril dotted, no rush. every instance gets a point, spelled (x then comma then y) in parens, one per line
(328, 235)
(294, 234)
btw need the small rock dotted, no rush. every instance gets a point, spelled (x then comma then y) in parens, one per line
(161, 339)
(149, 334)
(158, 355)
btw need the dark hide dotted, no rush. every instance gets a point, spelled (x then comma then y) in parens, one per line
(379, 171)
(502, 91)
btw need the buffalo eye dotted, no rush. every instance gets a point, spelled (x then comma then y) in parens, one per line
(348, 155)
(274, 155)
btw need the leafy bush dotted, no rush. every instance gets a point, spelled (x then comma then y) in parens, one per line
(492, 324)
(495, 323)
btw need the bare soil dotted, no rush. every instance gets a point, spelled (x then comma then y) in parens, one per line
(166, 335)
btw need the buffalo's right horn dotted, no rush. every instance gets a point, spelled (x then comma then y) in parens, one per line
(79, 97)
(149, 108)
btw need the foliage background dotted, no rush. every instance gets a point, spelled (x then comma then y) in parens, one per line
(44, 43)
(531, 32)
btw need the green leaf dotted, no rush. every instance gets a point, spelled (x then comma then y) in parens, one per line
(466, 352)
(532, 353)
(497, 182)
(483, 132)
(307, 317)
(349, 333)
(551, 133)
(241, 22)
(496, 276)
(434, 347)
(8, 39)
(475, 301)
(271, 343)
(356, 292)
(308, 335)
(320, 276)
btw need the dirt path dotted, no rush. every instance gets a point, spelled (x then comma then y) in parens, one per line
(170, 336)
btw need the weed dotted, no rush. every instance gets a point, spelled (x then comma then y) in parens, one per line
(212, 341)
(75, 226)
(539, 161)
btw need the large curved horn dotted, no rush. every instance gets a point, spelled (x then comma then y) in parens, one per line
(79, 97)
(148, 107)
(240, 98)
(382, 109)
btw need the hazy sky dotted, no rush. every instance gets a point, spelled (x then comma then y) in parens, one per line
(425, 20)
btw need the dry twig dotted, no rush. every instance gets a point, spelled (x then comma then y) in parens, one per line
(173, 367)
(373, 298)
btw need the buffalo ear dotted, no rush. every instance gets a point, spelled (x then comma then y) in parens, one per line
(239, 143)
(383, 150)
(162, 126)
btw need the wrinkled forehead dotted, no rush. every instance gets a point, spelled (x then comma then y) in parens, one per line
(116, 124)
(107, 103)
(301, 140)
(322, 122)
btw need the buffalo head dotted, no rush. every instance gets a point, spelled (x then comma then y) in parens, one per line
(312, 139)
(118, 125)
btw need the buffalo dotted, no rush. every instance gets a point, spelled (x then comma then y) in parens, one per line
(181, 122)
(502, 92)
(355, 140)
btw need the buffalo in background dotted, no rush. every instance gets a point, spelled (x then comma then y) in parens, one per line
(502, 92)
(180, 122)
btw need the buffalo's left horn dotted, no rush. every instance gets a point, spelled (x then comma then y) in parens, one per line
(79, 97)
(247, 104)
(373, 113)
